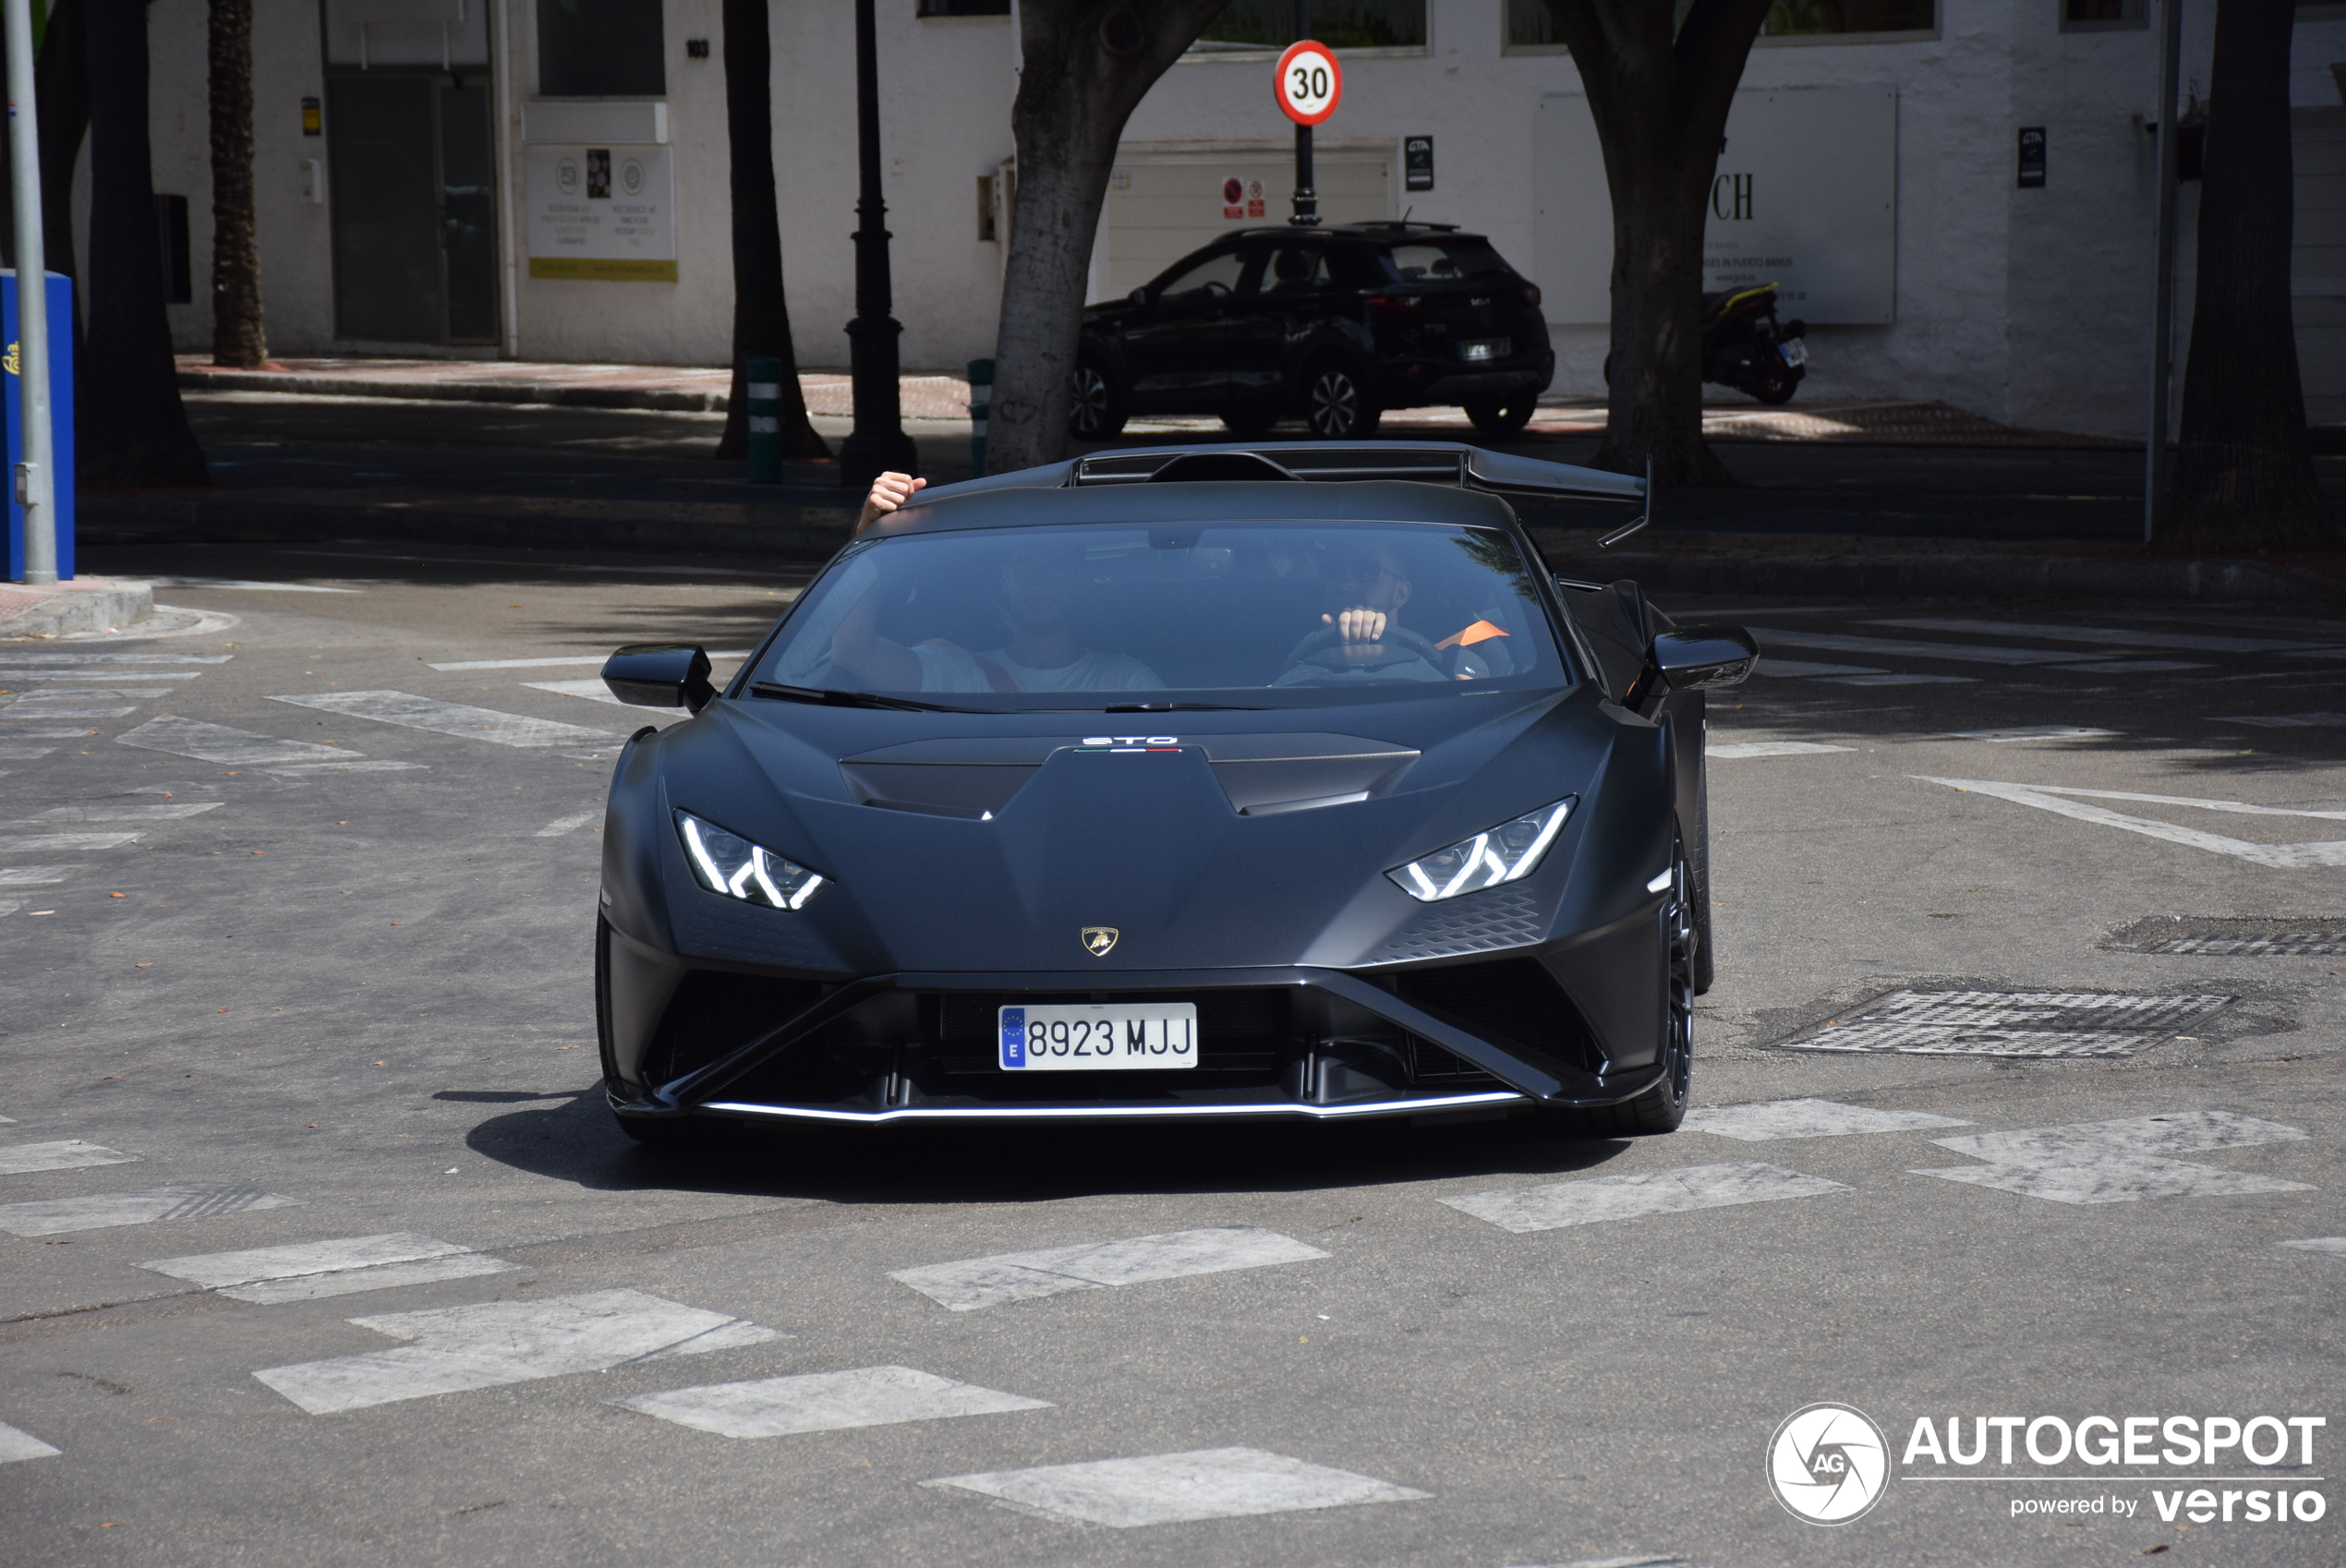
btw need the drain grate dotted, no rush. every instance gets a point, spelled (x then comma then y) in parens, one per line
(2006, 1023)
(2235, 938)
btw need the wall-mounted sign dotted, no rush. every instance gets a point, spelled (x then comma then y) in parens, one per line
(1805, 196)
(2032, 157)
(600, 213)
(1416, 163)
(1241, 199)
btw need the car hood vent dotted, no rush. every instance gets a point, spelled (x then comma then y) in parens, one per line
(1261, 775)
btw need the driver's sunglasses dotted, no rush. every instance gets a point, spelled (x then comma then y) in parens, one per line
(1363, 569)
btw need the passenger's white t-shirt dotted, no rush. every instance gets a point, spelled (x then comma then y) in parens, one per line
(948, 667)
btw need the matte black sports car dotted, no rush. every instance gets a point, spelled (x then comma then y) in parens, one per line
(1230, 782)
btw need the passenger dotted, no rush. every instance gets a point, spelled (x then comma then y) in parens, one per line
(889, 492)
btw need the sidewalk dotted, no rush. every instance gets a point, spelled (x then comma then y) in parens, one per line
(84, 604)
(938, 396)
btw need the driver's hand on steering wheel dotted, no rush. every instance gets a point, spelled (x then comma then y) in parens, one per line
(1357, 625)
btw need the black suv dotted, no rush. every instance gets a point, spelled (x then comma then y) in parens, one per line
(1337, 325)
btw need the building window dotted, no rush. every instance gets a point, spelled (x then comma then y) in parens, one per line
(1531, 30)
(1851, 19)
(1251, 25)
(2104, 15)
(602, 49)
(965, 8)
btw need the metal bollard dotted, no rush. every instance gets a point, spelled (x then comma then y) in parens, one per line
(764, 380)
(981, 405)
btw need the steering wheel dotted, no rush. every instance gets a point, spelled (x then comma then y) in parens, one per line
(1397, 645)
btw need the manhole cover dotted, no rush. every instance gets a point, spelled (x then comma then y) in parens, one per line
(2235, 938)
(2006, 1023)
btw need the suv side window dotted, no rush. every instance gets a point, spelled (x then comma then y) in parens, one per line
(1296, 268)
(1217, 277)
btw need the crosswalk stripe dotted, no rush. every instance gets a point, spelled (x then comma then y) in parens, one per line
(973, 1283)
(63, 660)
(1798, 669)
(1167, 1488)
(2334, 1245)
(1882, 647)
(158, 811)
(307, 769)
(16, 1443)
(24, 709)
(180, 1201)
(2112, 636)
(1732, 749)
(2032, 732)
(11, 751)
(462, 719)
(1808, 1119)
(71, 1154)
(312, 1269)
(36, 875)
(60, 677)
(563, 825)
(593, 691)
(2122, 1161)
(47, 843)
(48, 697)
(568, 660)
(1638, 1194)
(2287, 720)
(219, 744)
(455, 1348)
(826, 1402)
(2281, 857)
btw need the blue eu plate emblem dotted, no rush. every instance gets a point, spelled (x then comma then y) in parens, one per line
(1013, 1038)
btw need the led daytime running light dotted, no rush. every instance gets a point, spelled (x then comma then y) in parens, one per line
(1508, 853)
(729, 864)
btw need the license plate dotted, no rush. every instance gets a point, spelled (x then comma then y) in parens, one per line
(1095, 1037)
(1794, 352)
(1486, 348)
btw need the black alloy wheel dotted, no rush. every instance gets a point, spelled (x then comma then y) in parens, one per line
(1663, 1106)
(1501, 416)
(1337, 406)
(1095, 408)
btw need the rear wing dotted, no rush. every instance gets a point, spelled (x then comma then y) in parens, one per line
(1429, 463)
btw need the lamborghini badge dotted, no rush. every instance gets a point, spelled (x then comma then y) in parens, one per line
(1098, 939)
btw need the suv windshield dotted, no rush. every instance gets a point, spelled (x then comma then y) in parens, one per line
(1259, 614)
(1446, 260)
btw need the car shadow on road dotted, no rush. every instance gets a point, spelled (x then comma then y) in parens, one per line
(573, 1140)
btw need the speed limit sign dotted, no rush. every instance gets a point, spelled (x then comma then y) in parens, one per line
(1309, 83)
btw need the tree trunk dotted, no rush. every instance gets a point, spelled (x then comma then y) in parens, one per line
(132, 430)
(1661, 104)
(761, 313)
(1086, 65)
(236, 335)
(61, 86)
(2245, 479)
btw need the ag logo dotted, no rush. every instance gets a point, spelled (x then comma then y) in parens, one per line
(1828, 1464)
(1098, 939)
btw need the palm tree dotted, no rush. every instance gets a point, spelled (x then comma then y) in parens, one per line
(238, 337)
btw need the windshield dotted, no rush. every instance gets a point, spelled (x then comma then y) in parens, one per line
(1242, 615)
(1446, 260)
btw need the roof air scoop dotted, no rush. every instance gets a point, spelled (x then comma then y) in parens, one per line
(1192, 467)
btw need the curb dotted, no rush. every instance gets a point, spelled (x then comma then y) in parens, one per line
(84, 604)
(296, 384)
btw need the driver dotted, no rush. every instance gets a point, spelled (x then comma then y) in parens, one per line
(1367, 587)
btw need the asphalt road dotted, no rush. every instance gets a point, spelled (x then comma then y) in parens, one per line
(265, 997)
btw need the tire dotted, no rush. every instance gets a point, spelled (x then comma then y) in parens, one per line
(1660, 1108)
(1337, 406)
(1501, 416)
(1772, 382)
(1095, 408)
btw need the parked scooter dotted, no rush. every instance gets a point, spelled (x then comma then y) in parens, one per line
(1743, 346)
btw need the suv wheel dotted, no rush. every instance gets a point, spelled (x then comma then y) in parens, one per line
(1095, 408)
(1501, 416)
(1337, 406)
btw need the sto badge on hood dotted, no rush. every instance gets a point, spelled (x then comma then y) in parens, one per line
(1098, 939)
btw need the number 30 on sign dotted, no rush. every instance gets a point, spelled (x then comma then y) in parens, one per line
(1309, 83)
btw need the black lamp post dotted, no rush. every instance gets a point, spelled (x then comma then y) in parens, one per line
(879, 441)
(1307, 200)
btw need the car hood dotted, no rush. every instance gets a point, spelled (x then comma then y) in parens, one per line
(991, 841)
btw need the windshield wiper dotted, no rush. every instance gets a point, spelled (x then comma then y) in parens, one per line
(826, 696)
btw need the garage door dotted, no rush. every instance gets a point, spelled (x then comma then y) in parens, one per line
(1161, 209)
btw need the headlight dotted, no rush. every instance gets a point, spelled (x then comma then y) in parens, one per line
(730, 864)
(1507, 854)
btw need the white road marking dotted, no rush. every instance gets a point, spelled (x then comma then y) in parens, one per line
(1020, 1276)
(18, 731)
(1165, 1489)
(455, 1348)
(2139, 666)
(2032, 732)
(310, 1270)
(2286, 720)
(1732, 749)
(181, 1200)
(11, 752)
(2119, 1161)
(1903, 680)
(218, 743)
(246, 586)
(24, 708)
(412, 712)
(159, 811)
(2334, 1245)
(594, 691)
(46, 660)
(2009, 1024)
(43, 843)
(1799, 668)
(1885, 648)
(2110, 636)
(18, 1159)
(826, 1402)
(303, 769)
(53, 677)
(41, 701)
(16, 1443)
(1808, 1119)
(36, 875)
(2281, 857)
(565, 662)
(10, 906)
(563, 825)
(1636, 1195)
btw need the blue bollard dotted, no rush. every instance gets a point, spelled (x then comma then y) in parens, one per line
(60, 416)
(981, 405)
(764, 378)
